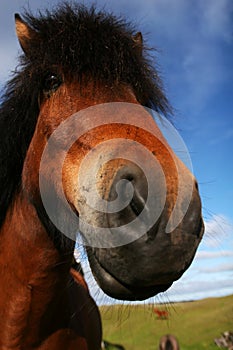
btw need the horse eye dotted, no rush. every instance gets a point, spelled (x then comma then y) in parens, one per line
(51, 84)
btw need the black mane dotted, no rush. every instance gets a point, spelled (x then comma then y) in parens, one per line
(82, 42)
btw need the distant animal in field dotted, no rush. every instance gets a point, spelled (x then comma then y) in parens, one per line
(162, 314)
(225, 341)
(168, 342)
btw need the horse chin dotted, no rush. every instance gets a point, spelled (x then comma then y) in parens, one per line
(117, 289)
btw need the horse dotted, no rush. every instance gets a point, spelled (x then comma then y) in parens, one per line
(169, 342)
(78, 104)
(162, 314)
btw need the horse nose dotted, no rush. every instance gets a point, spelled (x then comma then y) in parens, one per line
(185, 216)
(152, 204)
(130, 187)
(132, 190)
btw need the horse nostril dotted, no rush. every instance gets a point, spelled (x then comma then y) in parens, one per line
(129, 191)
(139, 184)
(137, 203)
(130, 178)
(130, 188)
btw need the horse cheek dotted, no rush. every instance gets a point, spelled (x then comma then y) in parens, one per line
(31, 169)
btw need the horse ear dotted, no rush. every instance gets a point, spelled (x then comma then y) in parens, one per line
(138, 40)
(24, 33)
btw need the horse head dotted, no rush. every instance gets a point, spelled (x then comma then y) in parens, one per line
(98, 162)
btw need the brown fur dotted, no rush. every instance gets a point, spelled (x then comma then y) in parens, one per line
(43, 304)
(169, 342)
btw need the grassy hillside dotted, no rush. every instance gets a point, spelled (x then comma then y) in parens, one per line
(195, 324)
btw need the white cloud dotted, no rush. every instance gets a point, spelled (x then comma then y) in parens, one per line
(217, 229)
(200, 46)
(200, 285)
(199, 289)
(228, 267)
(203, 71)
(214, 255)
(217, 17)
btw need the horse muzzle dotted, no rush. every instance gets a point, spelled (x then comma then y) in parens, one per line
(142, 228)
(138, 204)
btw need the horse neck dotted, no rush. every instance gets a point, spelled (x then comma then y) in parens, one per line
(32, 271)
(30, 248)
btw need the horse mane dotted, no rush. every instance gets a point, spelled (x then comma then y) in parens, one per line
(82, 42)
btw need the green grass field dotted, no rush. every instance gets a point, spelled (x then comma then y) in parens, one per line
(195, 324)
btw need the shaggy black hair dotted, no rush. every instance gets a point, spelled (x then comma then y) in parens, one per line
(83, 42)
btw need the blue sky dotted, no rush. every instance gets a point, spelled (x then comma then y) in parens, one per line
(194, 41)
